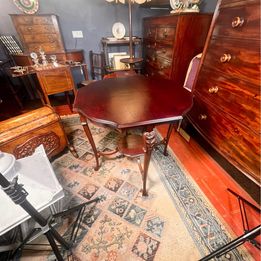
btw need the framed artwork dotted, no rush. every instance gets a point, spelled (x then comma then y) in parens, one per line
(118, 65)
(27, 6)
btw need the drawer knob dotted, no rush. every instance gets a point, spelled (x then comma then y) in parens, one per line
(236, 130)
(165, 34)
(213, 89)
(154, 58)
(202, 116)
(237, 22)
(164, 51)
(226, 57)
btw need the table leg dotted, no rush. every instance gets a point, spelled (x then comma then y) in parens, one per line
(150, 140)
(166, 139)
(90, 138)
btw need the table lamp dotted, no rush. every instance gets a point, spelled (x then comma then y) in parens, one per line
(132, 60)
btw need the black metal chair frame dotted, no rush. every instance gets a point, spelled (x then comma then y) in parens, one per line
(18, 195)
(248, 235)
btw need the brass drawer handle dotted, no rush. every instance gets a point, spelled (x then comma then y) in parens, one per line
(164, 51)
(237, 22)
(147, 60)
(202, 116)
(29, 28)
(154, 58)
(165, 34)
(213, 89)
(226, 57)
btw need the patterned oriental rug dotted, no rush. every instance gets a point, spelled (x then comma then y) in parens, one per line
(175, 222)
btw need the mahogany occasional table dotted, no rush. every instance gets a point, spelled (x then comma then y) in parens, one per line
(125, 103)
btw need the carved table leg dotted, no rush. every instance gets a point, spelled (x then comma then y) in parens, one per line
(90, 138)
(150, 140)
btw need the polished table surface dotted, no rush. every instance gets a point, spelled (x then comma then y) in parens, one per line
(130, 102)
(133, 101)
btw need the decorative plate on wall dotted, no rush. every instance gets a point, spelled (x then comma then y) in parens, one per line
(27, 6)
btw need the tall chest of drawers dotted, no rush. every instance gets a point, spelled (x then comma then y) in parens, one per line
(226, 107)
(171, 41)
(37, 31)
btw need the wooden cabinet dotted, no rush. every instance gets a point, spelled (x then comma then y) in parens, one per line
(38, 31)
(170, 42)
(226, 110)
(55, 80)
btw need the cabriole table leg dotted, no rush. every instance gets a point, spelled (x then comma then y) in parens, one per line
(150, 140)
(90, 138)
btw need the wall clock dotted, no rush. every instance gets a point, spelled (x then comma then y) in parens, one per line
(27, 6)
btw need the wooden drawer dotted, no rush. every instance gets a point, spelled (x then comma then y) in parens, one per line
(37, 29)
(56, 80)
(163, 65)
(239, 21)
(40, 38)
(47, 47)
(22, 19)
(166, 34)
(42, 20)
(164, 51)
(235, 59)
(152, 71)
(232, 97)
(30, 20)
(150, 32)
(239, 145)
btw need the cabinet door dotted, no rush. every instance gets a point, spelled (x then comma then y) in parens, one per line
(56, 80)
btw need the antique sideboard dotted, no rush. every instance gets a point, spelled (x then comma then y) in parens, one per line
(170, 42)
(226, 107)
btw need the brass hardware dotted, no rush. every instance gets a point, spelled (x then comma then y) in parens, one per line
(213, 89)
(202, 116)
(165, 34)
(154, 58)
(236, 130)
(237, 22)
(29, 28)
(226, 57)
(164, 51)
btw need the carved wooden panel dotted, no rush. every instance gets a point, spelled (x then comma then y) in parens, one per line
(50, 141)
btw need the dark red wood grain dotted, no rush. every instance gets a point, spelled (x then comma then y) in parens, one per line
(133, 101)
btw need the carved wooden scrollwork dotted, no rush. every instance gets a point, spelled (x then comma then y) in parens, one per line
(49, 140)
